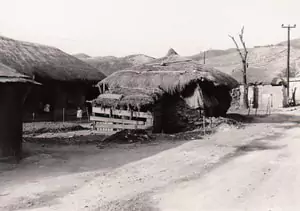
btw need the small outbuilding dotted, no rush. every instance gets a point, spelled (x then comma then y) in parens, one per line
(166, 95)
(13, 89)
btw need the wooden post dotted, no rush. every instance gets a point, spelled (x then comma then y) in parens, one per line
(203, 118)
(11, 119)
(87, 113)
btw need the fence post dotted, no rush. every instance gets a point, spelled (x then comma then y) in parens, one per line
(87, 113)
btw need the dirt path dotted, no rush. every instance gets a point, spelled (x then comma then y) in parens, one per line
(255, 168)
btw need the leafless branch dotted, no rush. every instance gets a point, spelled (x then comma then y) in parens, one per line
(242, 31)
(237, 46)
(241, 35)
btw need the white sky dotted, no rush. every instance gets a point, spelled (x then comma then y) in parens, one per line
(122, 27)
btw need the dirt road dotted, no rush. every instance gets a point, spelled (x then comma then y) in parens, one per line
(255, 168)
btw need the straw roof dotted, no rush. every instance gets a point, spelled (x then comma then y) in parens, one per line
(45, 63)
(133, 98)
(170, 77)
(9, 75)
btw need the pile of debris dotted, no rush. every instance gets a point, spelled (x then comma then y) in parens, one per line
(65, 140)
(216, 122)
(197, 131)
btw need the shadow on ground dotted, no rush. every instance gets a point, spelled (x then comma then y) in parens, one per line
(54, 160)
(57, 160)
(277, 118)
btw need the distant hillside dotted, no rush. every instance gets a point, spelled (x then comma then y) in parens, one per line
(211, 53)
(110, 64)
(272, 59)
(269, 58)
(295, 43)
(81, 56)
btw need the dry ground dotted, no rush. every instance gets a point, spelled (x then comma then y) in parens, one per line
(255, 168)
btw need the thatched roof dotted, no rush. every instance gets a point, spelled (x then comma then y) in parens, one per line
(9, 75)
(133, 98)
(259, 76)
(170, 77)
(45, 63)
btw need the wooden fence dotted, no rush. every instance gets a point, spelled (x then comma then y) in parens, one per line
(109, 121)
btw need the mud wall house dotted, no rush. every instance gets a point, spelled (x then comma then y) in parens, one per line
(67, 81)
(13, 90)
(294, 88)
(176, 91)
(266, 90)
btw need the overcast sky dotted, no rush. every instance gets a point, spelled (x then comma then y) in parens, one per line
(122, 27)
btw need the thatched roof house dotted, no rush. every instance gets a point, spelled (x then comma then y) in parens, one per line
(45, 63)
(170, 77)
(66, 80)
(168, 81)
(171, 73)
(13, 88)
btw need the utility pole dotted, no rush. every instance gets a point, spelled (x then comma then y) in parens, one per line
(204, 57)
(288, 27)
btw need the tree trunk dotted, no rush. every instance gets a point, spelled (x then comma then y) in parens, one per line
(245, 96)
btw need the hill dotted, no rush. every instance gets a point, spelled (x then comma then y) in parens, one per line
(272, 59)
(211, 53)
(81, 56)
(110, 64)
(295, 43)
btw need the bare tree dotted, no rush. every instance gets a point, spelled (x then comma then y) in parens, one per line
(244, 56)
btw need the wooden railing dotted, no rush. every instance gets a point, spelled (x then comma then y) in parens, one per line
(109, 121)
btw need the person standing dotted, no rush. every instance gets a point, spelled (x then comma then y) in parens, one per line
(79, 113)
